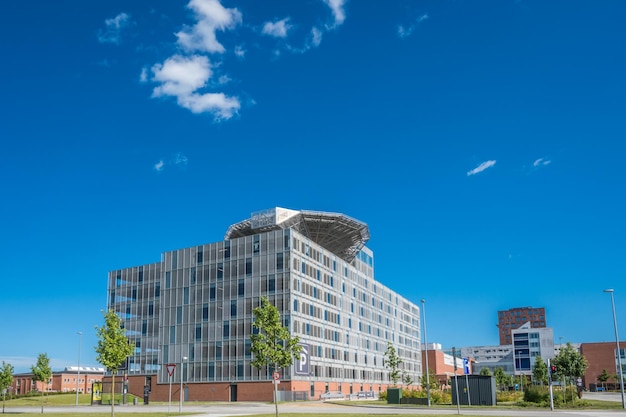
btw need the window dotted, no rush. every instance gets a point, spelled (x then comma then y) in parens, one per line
(205, 312)
(233, 308)
(172, 334)
(199, 257)
(241, 288)
(248, 266)
(198, 332)
(279, 261)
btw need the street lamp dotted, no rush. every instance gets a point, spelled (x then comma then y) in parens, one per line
(426, 356)
(619, 353)
(80, 342)
(182, 374)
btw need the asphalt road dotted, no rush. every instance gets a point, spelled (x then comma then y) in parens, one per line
(241, 409)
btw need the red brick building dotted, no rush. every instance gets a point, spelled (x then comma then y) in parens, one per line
(601, 356)
(64, 381)
(515, 317)
(442, 363)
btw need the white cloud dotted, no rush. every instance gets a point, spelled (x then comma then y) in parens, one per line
(179, 160)
(277, 29)
(239, 51)
(143, 77)
(112, 32)
(337, 7)
(541, 162)
(159, 166)
(316, 37)
(404, 32)
(480, 168)
(211, 17)
(181, 77)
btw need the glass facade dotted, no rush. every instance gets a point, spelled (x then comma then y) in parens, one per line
(197, 304)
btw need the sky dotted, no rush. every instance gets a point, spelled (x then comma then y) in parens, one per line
(483, 142)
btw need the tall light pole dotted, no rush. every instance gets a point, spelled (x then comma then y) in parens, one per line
(426, 355)
(619, 353)
(182, 374)
(80, 342)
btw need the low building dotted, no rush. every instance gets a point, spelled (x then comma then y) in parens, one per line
(602, 356)
(444, 364)
(68, 380)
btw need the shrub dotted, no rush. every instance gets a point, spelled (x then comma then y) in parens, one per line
(382, 395)
(535, 394)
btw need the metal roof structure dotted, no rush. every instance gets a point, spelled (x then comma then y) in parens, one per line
(336, 232)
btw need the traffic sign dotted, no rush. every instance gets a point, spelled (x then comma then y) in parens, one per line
(170, 368)
(276, 376)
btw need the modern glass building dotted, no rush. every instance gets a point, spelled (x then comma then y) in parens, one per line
(193, 311)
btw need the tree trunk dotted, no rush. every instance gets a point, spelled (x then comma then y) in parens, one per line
(275, 395)
(112, 394)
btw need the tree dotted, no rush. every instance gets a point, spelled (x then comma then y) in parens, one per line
(392, 362)
(272, 343)
(6, 378)
(502, 379)
(406, 378)
(42, 372)
(485, 372)
(603, 377)
(540, 371)
(113, 348)
(570, 364)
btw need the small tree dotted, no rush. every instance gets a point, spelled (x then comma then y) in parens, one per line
(501, 378)
(6, 378)
(570, 364)
(392, 362)
(272, 344)
(113, 348)
(485, 372)
(406, 378)
(603, 377)
(540, 371)
(42, 372)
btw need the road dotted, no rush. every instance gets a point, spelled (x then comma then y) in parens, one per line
(241, 409)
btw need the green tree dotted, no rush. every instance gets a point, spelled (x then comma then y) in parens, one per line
(603, 377)
(540, 371)
(569, 364)
(392, 362)
(406, 378)
(113, 348)
(272, 344)
(502, 379)
(485, 372)
(42, 373)
(6, 378)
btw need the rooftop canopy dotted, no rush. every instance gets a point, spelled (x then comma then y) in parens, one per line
(336, 232)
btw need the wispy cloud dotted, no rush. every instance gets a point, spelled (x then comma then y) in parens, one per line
(480, 168)
(240, 52)
(406, 31)
(112, 32)
(277, 29)
(178, 160)
(541, 162)
(211, 16)
(337, 7)
(181, 77)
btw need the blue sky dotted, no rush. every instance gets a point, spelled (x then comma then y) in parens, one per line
(482, 142)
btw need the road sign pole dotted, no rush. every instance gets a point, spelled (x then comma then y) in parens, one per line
(169, 404)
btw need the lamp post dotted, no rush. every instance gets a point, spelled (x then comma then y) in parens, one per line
(80, 342)
(619, 354)
(182, 374)
(426, 355)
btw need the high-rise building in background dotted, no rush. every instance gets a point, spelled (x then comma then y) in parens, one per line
(514, 318)
(190, 315)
